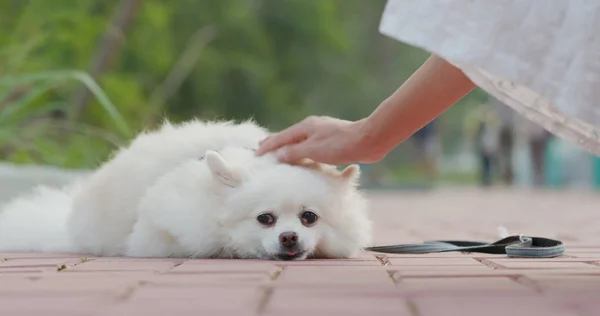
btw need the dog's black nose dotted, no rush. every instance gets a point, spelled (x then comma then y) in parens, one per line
(288, 239)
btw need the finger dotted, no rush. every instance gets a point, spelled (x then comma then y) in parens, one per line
(264, 139)
(295, 152)
(295, 133)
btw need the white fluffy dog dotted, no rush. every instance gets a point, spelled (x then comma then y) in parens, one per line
(196, 190)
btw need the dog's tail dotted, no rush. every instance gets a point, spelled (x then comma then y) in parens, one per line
(37, 221)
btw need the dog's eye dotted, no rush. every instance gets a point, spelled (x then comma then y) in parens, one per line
(266, 219)
(308, 218)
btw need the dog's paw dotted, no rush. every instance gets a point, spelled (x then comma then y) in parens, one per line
(146, 240)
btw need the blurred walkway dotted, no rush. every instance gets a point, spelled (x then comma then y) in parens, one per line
(415, 285)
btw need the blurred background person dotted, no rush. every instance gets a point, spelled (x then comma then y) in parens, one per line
(507, 141)
(537, 142)
(484, 129)
(426, 144)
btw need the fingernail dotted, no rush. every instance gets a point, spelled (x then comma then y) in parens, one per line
(281, 154)
(264, 139)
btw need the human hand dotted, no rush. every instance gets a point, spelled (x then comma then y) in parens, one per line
(322, 139)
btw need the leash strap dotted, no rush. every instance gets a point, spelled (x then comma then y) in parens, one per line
(512, 246)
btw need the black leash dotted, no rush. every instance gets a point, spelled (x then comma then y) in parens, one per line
(512, 246)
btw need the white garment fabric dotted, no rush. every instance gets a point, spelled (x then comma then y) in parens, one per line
(542, 58)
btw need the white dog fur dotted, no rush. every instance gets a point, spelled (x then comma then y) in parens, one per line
(195, 190)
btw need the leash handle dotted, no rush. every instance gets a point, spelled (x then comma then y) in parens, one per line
(516, 246)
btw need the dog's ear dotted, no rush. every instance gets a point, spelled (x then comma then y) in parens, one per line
(221, 170)
(307, 163)
(351, 173)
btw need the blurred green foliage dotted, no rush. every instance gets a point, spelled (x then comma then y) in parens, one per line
(79, 78)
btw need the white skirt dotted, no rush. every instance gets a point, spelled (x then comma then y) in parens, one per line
(542, 58)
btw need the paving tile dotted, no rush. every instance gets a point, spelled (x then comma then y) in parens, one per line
(541, 264)
(445, 255)
(37, 264)
(52, 285)
(331, 301)
(162, 308)
(560, 271)
(334, 276)
(225, 266)
(25, 270)
(175, 261)
(35, 255)
(497, 305)
(566, 283)
(440, 261)
(367, 255)
(480, 267)
(583, 251)
(556, 259)
(330, 262)
(582, 303)
(586, 257)
(214, 279)
(200, 300)
(457, 271)
(482, 284)
(64, 306)
(107, 266)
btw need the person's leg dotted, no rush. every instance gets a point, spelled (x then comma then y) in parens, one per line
(505, 157)
(425, 148)
(538, 154)
(431, 151)
(485, 169)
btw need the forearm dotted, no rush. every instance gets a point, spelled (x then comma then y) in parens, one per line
(430, 91)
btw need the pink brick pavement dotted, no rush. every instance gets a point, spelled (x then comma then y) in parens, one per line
(415, 285)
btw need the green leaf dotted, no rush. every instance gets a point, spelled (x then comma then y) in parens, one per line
(13, 110)
(87, 80)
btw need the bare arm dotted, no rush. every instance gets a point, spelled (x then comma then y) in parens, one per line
(430, 91)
